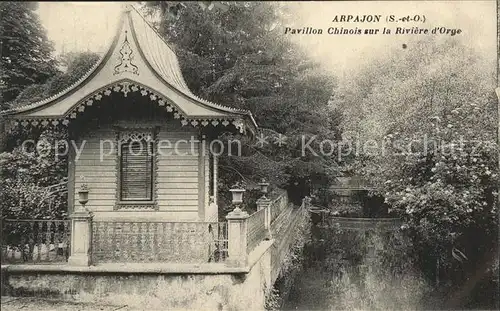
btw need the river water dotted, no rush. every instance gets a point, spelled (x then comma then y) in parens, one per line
(347, 269)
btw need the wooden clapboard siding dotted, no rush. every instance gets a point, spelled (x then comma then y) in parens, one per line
(181, 179)
(176, 179)
(185, 192)
(183, 202)
(178, 173)
(175, 216)
(172, 184)
(206, 184)
(97, 163)
(189, 161)
(173, 197)
(168, 169)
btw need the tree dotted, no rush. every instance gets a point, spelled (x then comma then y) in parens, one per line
(76, 64)
(33, 179)
(236, 56)
(32, 176)
(26, 51)
(432, 113)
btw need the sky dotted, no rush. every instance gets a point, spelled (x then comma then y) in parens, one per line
(81, 26)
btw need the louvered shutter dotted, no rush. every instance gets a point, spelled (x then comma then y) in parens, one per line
(137, 171)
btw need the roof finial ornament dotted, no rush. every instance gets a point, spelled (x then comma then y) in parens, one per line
(126, 7)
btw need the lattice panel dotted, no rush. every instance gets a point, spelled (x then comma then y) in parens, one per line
(135, 135)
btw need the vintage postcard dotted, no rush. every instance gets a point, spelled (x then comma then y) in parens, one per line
(249, 155)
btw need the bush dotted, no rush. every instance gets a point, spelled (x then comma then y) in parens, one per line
(29, 177)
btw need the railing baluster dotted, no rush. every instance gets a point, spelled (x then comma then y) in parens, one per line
(39, 235)
(31, 240)
(185, 239)
(133, 241)
(172, 234)
(48, 239)
(113, 240)
(66, 242)
(140, 242)
(129, 244)
(96, 240)
(146, 249)
(182, 242)
(164, 241)
(159, 241)
(154, 245)
(123, 241)
(31, 244)
(57, 237)
(106, 241)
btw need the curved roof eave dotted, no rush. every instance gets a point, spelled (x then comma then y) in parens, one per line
(73, 87)
(158, 65)
(180, 87)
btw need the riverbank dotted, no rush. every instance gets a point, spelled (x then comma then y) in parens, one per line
(347, 270)
(341, 272)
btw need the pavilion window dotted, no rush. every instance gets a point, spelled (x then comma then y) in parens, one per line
(136, 168)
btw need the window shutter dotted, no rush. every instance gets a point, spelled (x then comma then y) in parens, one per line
(137, 171)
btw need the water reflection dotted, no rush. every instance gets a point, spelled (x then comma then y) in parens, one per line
(357, 265)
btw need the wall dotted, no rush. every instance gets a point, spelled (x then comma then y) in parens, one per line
(180, 175)
(222, 291)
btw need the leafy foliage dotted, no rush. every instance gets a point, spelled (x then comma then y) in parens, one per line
(432, 114)
(26, 51)
(291, 266)
(34, 179)
(76, 64)
(236, 57)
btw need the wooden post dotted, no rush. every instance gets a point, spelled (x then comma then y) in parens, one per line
(81, 239)
(237, 238)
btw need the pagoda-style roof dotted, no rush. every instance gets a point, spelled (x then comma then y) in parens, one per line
(137, 60)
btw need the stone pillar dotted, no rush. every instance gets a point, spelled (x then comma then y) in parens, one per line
(237, 238)
(81, 238)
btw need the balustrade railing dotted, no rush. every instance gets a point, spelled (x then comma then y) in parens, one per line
(35, 241)
(256, 229)
(278, 205)
(175, 242)
(41, 241)
(282, 231)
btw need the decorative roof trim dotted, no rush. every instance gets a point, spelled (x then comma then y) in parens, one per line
(75, 86)
(125, 59)
(127, 86)
(184, 91)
